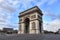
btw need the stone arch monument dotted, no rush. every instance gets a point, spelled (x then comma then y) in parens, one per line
(30, 21)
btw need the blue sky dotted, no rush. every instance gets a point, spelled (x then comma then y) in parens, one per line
(10, 9)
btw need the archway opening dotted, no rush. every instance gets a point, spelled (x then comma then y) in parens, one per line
(40, 24)
(26, 25)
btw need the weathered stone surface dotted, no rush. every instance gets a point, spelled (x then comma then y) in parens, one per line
(30, 21)
(30, 37)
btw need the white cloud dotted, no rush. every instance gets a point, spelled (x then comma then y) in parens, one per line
(52, 22)
(10, 6)
(25, 4)
(6, 11)
(52, 25)
(5, 6)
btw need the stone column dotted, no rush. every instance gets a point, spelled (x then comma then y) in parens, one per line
(30, 28)
(37, 27)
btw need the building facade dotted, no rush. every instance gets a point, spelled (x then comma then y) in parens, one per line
(30, 21)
